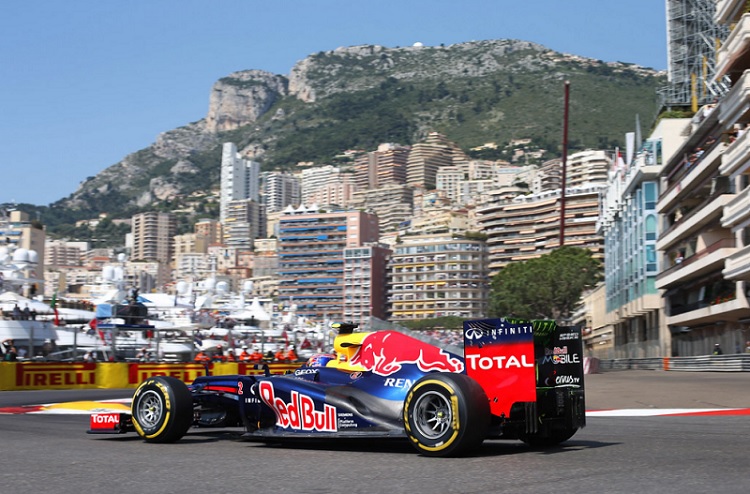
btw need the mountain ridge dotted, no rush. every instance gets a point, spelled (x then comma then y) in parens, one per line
(356, 97)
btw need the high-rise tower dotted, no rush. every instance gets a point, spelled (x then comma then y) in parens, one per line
(240, 179)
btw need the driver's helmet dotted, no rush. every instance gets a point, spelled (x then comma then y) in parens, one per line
(320, 359)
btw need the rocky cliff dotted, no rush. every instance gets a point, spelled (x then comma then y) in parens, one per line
(468, 89)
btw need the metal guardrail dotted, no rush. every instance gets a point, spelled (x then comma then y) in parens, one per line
(699, 363)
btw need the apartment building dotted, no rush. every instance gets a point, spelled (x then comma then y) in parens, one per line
(522, 227)
(69, 280)
(528, 226)
(192, 266)
(280, 189)
(629, 224)
(434, 276)
(190, 242)
(548, 176)
(244, 222)
(211, 229)
(222, 258)
(315, 178)
(393, 204)
(465, 183)
(59, 253)
(240, 179)
(334, 194)
(443, 220)
(19, 233)
(153, 236)
(365, 291)
(581, 168)
(585, 167)
(266, 259)
(426, 158)
(311, 257)
(448, 180)
(385, 166)
(147, 275)
(705, 208)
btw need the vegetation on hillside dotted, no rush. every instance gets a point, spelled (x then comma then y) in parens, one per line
(521, 99)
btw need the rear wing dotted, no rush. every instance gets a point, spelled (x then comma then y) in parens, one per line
(512, 358)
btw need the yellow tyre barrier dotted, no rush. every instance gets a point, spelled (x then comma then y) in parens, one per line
(85, 375)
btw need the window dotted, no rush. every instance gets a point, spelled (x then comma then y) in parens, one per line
(649, 189)
(651, 258)
(650, 227)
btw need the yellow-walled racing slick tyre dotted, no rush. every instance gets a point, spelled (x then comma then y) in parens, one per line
(446, 414)
(162, 409)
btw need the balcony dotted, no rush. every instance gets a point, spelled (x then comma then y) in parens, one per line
(737, 266)
(736, 158)
(694, 174)
(698, 219)
(705, 314)
(737, 210)
(701, 263)
(728, 10)
(730, 56)
(734, 104)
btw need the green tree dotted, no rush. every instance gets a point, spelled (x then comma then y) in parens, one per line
(443, 322)
(548, 287)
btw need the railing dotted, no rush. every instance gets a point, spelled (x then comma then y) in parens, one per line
(722, 189)
(719, 244)
(701, 363)
(686, 166)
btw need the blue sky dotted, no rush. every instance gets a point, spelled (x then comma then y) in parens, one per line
(83, 83)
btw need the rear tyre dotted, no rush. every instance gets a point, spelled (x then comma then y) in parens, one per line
(162, 409)
(446, 415)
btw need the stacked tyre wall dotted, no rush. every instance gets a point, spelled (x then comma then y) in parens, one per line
(51, 375)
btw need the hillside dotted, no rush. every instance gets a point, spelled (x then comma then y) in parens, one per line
(358, 97)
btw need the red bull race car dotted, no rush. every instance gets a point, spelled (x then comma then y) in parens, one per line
(513, 379)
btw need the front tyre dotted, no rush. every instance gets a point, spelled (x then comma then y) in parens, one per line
(162, 409)
(446, 414)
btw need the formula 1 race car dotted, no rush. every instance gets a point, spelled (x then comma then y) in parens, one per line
(513, 379)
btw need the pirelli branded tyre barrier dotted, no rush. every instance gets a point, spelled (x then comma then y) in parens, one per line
(83, 375)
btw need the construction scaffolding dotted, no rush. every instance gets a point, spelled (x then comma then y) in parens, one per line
(693, 38)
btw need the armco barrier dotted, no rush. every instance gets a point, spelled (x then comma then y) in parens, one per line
(699, 363)
(80, 375)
